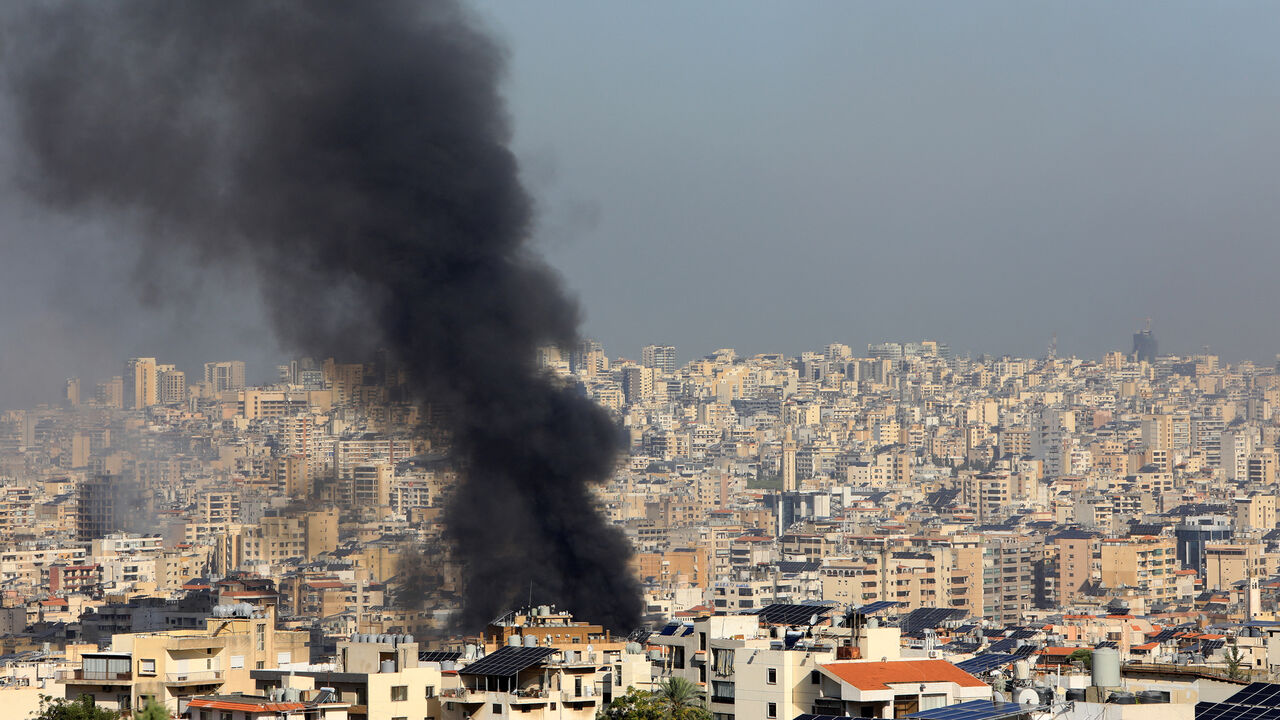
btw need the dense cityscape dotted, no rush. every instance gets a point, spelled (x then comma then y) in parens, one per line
(879, 533)
(320, 396)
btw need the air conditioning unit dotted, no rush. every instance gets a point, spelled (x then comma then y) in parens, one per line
(935, 654)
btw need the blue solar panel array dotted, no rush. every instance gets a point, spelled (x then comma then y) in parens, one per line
(1105, 644)
(1255, 701)
(927, 619)
(977, 710)
(1257, 694)
(986, 662)
(1007, 645)
(876, 607)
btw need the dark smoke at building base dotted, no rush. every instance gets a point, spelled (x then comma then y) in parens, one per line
(354, 157)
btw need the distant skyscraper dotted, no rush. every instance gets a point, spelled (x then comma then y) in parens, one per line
(228, 375)
(140, 383)
(659, 357)
(1144, 346)
(171, 385)
(98, 508)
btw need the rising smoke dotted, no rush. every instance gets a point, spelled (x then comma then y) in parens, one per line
(353, 157)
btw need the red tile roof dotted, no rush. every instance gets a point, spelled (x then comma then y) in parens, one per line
(878, 675)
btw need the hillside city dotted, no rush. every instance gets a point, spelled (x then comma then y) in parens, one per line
(901, 532)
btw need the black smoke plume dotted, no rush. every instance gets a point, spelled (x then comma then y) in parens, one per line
(352, 156)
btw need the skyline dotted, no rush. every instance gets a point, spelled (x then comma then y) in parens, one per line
(989, 175)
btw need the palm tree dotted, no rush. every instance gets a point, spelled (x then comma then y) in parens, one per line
(678, 695)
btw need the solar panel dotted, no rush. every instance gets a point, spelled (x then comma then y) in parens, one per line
(1026, 651)
(1106, 644)
(986, 662)
(976, 710)
(1208, 646)
(1231, 711)
(508, 661)
(438, 656)
(783, 614)
(875, 607)
(927, 618)
(1164, 635)
(1024, 634)
(807, 716)
(1263, 694)
(670, 629)
(1007, 645)
(960, 647)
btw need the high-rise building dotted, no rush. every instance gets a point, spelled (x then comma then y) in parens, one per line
(1145, 347)
(140, 383)
(226, 375)
(171, 385)
(659, 357)
(788, 462)
(98, 508)
(637, 383)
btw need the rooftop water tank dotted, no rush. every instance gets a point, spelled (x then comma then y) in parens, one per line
(1106, 667)
(531, 641)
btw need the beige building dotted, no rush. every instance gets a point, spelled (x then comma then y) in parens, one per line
(177, 664)
(1146, 563)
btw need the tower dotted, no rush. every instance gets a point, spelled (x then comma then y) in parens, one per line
(788, 462)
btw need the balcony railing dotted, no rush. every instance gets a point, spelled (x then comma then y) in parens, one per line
(93, 676)
(194, 676)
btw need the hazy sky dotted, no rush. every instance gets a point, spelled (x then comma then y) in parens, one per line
(776, 176)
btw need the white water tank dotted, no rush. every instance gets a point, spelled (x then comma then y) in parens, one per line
(1106, 667)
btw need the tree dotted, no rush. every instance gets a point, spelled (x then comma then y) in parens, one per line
(680, 697)
(1234, 659)
(153, 711)
(633, 705)
(675, 699)
(83, 708)
(1084, 655)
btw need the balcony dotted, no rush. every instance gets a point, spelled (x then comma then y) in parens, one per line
(195, 677)
(97, 678)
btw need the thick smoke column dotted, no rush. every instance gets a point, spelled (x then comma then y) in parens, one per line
(354, 156)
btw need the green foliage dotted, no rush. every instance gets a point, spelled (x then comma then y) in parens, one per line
(633, 705)
(674, 699)
(1234, 659)
(153, 711)
(83, 708)
(1084, 655)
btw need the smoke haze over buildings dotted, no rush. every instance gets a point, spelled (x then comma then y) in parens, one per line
(352, 158)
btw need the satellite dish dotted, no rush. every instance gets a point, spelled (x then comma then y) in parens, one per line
(813, 619)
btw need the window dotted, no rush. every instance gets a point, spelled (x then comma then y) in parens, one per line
(497, 709)
(773, 710)
(260, 636)
(771, 676)
(237, 661)
(431, 692)
(815, 678)
(147, 667)
(399, 693)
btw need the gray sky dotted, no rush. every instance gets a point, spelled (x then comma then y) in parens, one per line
(776, 176)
